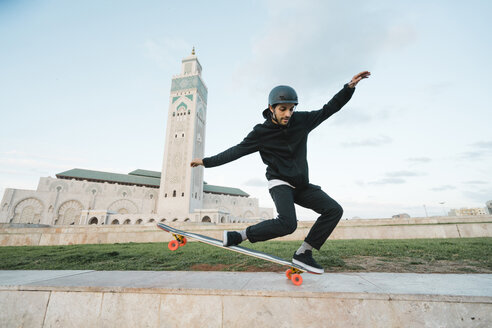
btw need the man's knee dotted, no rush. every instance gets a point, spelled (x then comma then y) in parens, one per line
(288, 226)
(339, 211)
(334, 212)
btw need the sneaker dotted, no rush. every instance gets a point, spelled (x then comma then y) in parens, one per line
(231, 238)
(306, 261)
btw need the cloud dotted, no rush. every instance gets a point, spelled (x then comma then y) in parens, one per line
(386, 181)
(404, 174)
(471, 155)
(419, 159)
(21, 163)
(256, 183)
(481, 149)
(289, 50)
(358, 116)
(480, 196)
(475, 182)
(395, 177)
(370, 142)
(485, 145)
(443, 188)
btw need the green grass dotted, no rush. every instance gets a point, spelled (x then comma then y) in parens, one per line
(412, 255)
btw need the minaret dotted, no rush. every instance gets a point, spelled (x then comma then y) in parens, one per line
(181, 189)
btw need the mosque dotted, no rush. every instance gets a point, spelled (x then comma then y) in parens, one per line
(176, 194)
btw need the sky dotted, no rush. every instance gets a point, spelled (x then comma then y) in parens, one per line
(85, 84)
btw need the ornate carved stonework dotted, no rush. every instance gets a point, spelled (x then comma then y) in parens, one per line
(28, 211)
(69, 213)
(123, 206)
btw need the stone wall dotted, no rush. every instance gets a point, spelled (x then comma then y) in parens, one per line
(439, 227)
(248, 299)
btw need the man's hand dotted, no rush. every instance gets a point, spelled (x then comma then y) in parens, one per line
(196, 162)
(356, 79)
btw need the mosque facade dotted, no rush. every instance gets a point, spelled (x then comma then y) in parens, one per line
(176, 194)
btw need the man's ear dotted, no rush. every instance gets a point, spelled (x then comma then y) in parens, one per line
(271, 108)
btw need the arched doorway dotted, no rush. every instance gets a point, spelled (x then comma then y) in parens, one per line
(93, 220)
(206, 218)
(115, 221)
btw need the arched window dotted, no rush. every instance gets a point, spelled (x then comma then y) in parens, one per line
(174, 193)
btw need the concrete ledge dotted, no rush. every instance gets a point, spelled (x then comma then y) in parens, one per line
(445, 227)
(232, 299)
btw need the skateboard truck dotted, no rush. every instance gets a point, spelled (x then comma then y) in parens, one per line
(294, 274)
(178, 242)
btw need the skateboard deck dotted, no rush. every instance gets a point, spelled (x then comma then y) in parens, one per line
(293, 273)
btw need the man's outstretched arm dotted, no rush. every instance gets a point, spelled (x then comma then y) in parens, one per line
(249, 145)
(337, 102)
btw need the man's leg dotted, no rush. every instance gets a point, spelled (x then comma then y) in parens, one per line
(331, 212)
(314, 198)
(284, 224)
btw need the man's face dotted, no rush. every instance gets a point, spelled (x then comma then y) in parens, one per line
(282, 112)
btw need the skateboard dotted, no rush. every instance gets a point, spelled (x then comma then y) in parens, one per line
(293, 273)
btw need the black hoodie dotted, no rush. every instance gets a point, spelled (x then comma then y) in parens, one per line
(283, 148)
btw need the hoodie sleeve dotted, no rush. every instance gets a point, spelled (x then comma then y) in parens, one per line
(316, 117)
(249, 145)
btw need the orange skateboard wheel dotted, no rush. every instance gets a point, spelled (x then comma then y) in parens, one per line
(288, 274)
(183, 242)
(173, 245)
(296, 279)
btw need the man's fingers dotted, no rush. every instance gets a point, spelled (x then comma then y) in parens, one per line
(363, 75)
(196, 162)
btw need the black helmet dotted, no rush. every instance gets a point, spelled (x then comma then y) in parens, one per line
(281, 94)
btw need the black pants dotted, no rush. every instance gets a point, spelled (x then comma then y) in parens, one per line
(311, 197)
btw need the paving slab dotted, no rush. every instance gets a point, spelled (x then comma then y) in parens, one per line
(24, 277)
(432, 284)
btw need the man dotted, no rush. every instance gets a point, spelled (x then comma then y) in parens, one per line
(281, 141)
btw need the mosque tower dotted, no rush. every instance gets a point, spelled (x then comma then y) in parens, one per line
(181, 188)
